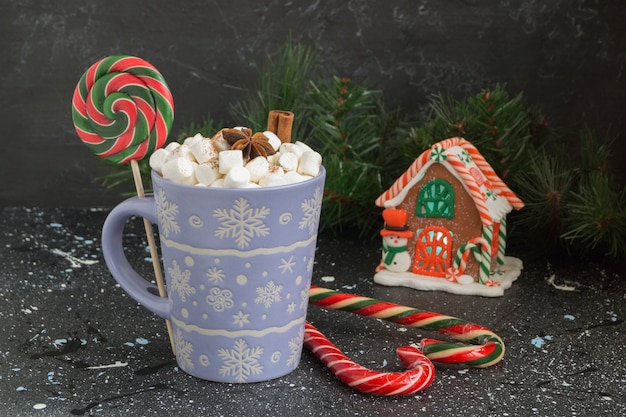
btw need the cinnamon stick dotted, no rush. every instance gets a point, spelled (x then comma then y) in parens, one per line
(280, 122)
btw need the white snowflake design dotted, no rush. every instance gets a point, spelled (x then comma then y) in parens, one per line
(180, 281)
(291, 307)
(216, 275)
(304, 298)
(241, 361)
(311, 208)
(287, 264)
(166, 213)
(184, 348)
(241, 318)
(269, 294)
(295, 348)
(220, 299)
(242, 222)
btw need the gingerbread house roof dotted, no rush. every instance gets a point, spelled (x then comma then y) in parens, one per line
(492, 197)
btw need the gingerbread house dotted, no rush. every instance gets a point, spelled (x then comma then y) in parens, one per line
(456, 207)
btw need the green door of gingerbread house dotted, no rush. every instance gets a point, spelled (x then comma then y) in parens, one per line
(432, 252)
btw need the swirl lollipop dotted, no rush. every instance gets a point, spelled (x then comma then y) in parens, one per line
(123, 110)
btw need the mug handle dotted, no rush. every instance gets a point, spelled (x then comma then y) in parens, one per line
(134, 284)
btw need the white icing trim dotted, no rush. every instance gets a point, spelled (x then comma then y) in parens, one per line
(234, 252)
(238, 333)
(498, 208)
(504, 274)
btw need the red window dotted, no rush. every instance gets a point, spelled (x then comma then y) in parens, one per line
(432, 252)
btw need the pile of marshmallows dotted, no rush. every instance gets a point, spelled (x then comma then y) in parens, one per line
(211, 162)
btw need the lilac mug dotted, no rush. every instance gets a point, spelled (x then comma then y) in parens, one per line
(238, 266)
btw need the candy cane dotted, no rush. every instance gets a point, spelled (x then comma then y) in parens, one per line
(485, 348)
(419, 376)
(499, 186)
(478, 246)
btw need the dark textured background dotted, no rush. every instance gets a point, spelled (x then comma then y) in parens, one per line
(567, 56)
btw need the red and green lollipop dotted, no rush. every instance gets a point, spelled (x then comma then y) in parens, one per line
(123, 111)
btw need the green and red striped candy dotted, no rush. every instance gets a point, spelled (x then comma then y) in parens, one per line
(483, 347)
(122, 108)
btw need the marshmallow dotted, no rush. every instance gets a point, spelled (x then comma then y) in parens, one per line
(190, 141)
(158, 158)
(275, 169)
(273, 159)
(212, 163)
(310, 163)
(219, 142)
(303, 146)
(179, 170)
(229, 160)
(171, 146)
(273, 140)
(288, 161)
(272, 180)
(207, 173)
(292, 177)
(291, 148)
(203, 150)
(181, 151)
(258, 167)
(218, 183)
(237, 177)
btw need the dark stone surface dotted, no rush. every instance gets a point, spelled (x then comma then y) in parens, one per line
(66, 326)
(567, 56)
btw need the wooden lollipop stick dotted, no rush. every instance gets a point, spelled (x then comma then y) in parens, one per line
(280, 122)
(156, 265)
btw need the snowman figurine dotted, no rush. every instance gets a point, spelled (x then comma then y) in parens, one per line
(395, 235)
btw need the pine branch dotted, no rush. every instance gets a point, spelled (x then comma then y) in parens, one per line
(207, 128)
(571, 200)
(348, 130)
(281, 86)
(545, 188)
(500, 126)
(596, 216)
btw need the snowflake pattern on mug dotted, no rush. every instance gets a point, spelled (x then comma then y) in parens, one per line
(184, 350)
(216, 275)
(220, 299)
(287, 264)
(295, 349)
(242, 222)
(241, 318)
(179, 281)
(311, 208)
(269, 294)
(241, 361)
(166, 213)
(304, 298)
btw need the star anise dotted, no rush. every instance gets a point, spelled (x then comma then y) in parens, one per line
(251, 145)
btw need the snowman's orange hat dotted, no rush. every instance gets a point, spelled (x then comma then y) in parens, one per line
(396, 223)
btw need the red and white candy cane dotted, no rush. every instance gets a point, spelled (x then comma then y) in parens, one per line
(475, 246)
(484, 348)
(419, 376)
